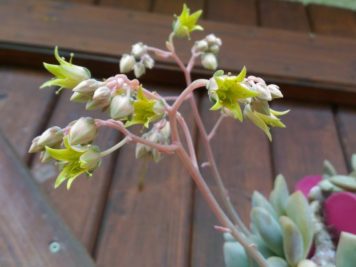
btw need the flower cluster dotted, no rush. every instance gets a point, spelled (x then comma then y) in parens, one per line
(138, 60)
(208, 48)
(230, 92)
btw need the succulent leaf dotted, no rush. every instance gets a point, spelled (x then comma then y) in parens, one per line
(345, 254)
(279, 195)
(269, 229)
(258, 200)
(292, 241)
(276, 262)
(346, 182)
(298, 210)
(329, 169)
(235, 255)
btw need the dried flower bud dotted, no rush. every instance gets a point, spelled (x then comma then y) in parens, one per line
(80, 97)
(87, 86)
(148, 61)
(209, 61)
(51, 137)
(138, 50)
(139, 69)
(90, 159)
(201, 46)
(83, 131)
(121, 107)
(127, 63)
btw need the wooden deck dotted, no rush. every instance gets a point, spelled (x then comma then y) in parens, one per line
(310, 50)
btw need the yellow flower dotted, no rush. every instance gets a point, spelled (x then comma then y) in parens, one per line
(186, 23)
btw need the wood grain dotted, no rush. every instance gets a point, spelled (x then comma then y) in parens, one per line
(141, 5)
(332, 21)
(148, 227)
(28, 223)
(81, 207)
(175, 7)
(243, 156)
(291, 16)
(292, 57)
(232, 11)
(23, 106)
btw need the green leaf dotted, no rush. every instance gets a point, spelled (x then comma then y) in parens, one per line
(258, 200)
(329, 169)
(298, 210)
(279, 195)
(345, 254)
(276, 262)
(292, 241)
(343, 181)
(235, 255)
(269, 229)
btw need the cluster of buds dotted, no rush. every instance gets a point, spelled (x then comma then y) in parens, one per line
(209, 48)
(71, 148)
(159, 134)
(138, 60)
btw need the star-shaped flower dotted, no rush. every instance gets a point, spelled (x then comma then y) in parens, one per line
(145, 110)
(67, 75)
(74, 161)
(186, 23)
(227, 90)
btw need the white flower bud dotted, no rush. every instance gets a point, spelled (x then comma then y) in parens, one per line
(139, 69)
(35, 147)
(51, 137)
(209, 61)
(87, 86)
(138, 50)
(213, 40)
(101, 99)
(201, 46)
(275, 92)
(121, 107)
(90, 159)
(80, 97)
(148, 61)
(214, 49)
(83, 131)
(127, 63)
(141, 150)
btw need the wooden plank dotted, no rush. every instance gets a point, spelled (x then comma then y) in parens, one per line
(310, 138)
(242, 154)
(142, 5)
(29, 226)
(346, 123)
(175, 7)
(81, 207)
(332, 21)
(292, 57)
(232, 11)
(291, 16)
(149, 227)
(21, 106)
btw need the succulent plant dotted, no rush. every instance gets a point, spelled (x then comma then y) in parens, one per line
(281, 229)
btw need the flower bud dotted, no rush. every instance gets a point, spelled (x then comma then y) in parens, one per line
(138, 50)
(51, 137)
(80, 97)
(209, 61)
(148, 61)
(101, 99)
(201, 46)
(141, 150)
(213, 40)
(83, 131)
(90, 159)
(35, 147)
(121, 107)
(87, 86)
(139, 69)
(45, 157)
(158, 108)
(275, 92)
(127, 63)
(214, 49)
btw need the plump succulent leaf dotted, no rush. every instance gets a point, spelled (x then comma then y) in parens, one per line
(298, 210)
(276, 262)
(329, 169)
(261, 246)
(279, 195)
(292, 241)
(345, 254)
(353, 162)
(258, 200)
(269, 229)
(235, 255)
(346, 182)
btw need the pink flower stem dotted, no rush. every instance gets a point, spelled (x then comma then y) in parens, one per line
(216, 126)
(118, 125)
(223, 193)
